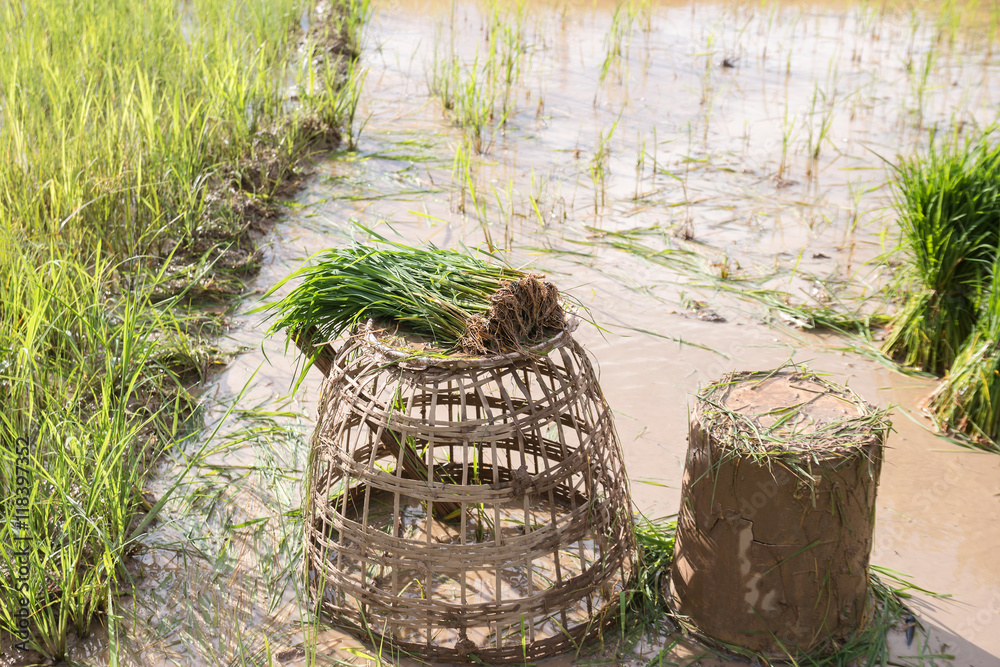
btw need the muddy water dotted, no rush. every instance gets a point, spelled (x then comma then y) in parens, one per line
(750, 135)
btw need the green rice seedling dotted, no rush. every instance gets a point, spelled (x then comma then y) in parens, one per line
(920, 82)
(462, 170)
(655, 539)
(949, 214)
(335, 95)
(135, 139)
(444, 295)
(506, 214)
(708, 53)
(599, 164)
(786, 141)
(640, 163)
(474, 103)
(619, 36)
(468, 93)
(443, 75)
(467, 183)
(508, 44)
(89, 409)
(472, 93)
(967, 402)
(816, 133)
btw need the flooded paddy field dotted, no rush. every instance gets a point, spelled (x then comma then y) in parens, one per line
(703, 178)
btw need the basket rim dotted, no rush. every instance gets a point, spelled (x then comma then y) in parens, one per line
(409, 358)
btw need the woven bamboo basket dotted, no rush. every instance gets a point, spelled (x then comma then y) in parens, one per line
(467, 509)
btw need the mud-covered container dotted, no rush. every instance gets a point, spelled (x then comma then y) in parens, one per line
(777, 511)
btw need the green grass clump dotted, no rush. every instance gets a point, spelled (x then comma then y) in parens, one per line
(88, 400)
(949, 212)
(968, 400)
(655, 538)
(432, 292)
(159, 128)
(140, 144)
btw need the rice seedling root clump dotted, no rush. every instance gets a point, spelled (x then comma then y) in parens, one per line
(524, 310)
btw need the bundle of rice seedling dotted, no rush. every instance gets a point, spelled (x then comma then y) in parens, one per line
(458, 302)
(968, 400)
(949, 205)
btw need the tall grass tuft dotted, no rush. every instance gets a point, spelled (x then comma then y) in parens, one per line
(655, 538)
(139, 146)
(949, 212)
(89, 405)
(968, 400)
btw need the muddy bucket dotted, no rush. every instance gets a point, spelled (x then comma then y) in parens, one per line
(777, 511)
(467, 509)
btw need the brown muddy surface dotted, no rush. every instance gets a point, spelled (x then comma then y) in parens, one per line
(702, 136)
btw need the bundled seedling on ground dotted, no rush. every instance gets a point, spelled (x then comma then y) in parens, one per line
(968, 400)
(949, 212)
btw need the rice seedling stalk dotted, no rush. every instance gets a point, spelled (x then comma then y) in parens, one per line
(786, 140)
(817, 134)
(708, 53)
(949, 214)
(919, 82)
(599, 164)
(655, 539)
(471, 93)
(967, 402)
(507, 41)
(618, 39)
(443, 75)
(462, 170)
(454, 299)
(640, 163)
(506, 214)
